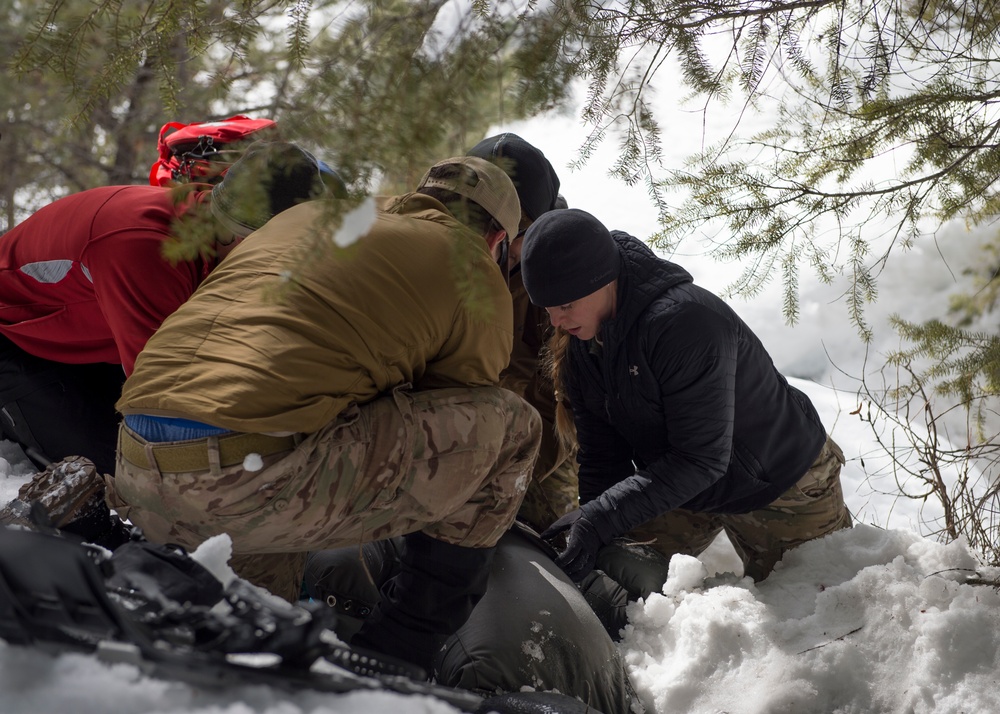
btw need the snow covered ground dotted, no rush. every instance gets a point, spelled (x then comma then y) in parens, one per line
(876, 619)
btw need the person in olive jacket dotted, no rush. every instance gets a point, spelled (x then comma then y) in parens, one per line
(684, 425)
(306, 399)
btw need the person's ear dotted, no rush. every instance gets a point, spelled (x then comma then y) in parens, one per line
(224, 249)
(494, 239)
(498, 245)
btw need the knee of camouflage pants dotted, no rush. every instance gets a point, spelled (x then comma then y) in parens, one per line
(812, 508)
(490, 511)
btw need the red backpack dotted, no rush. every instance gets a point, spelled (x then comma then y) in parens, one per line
(198, 151)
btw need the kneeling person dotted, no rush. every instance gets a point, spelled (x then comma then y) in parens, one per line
(685, 427)
(353, 401)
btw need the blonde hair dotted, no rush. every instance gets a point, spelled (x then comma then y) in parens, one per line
(554, 354)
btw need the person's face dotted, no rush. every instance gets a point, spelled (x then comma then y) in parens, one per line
(514, 251)
(582, 318)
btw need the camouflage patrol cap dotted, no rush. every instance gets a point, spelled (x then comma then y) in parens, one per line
(481, 182)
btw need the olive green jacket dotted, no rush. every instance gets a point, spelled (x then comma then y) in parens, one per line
(289, 330)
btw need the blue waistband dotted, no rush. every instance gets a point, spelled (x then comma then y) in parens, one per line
(155, 428)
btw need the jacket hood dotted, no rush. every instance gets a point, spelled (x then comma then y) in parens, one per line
(644, 277)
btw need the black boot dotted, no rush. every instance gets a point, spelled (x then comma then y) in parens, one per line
(433, 594)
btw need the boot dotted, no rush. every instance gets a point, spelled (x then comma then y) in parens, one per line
(71, 494)
(435, 591)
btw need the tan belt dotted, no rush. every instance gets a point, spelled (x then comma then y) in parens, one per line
(193, 456)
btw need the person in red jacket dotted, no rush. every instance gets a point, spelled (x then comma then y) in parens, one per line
(84, 282)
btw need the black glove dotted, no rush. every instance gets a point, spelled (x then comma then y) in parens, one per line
(561, 526)
(582, 543)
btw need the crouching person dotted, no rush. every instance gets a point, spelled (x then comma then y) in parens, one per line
(309, 399)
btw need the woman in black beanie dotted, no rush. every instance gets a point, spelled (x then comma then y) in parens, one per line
(684, 425)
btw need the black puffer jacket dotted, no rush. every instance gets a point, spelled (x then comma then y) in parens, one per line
(683, 407)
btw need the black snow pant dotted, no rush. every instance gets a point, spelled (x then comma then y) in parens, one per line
(54, 410)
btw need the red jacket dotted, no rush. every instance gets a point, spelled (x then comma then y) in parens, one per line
(83, 280)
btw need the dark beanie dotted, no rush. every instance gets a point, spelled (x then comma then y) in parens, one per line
(270, 177)
(567, 255)
(534, 178)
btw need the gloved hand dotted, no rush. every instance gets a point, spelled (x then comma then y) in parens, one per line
(582, 543)
(562, 525)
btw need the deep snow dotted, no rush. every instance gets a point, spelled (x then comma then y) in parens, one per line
(876, 619)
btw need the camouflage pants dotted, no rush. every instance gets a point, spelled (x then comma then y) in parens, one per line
(554, 496)
(453, 463)
(811, 508)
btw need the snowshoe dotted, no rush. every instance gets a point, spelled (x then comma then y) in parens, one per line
(153, 607)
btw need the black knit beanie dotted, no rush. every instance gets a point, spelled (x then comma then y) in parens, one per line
(567, 255)
(534, 178)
